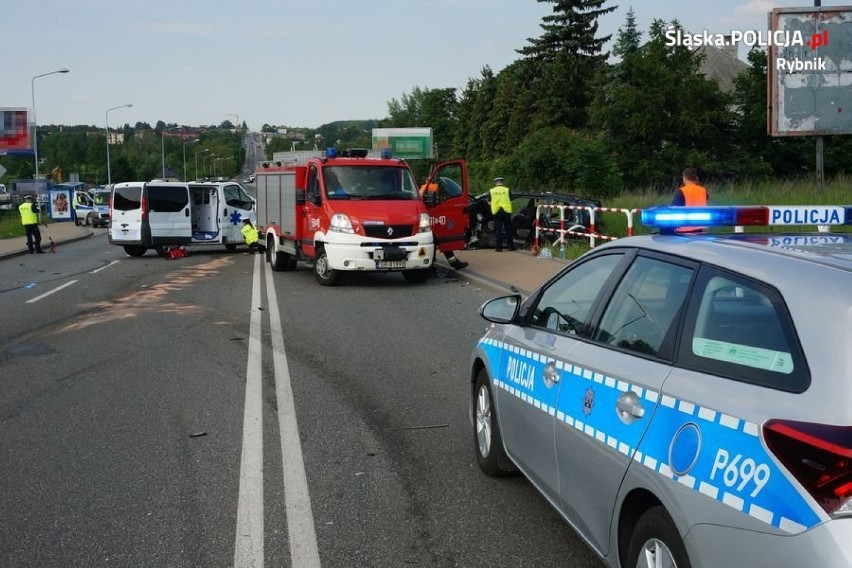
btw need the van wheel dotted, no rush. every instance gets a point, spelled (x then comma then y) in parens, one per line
(134, 250)
(324, 273)
(487, 440)
(656, 542)
(230, 246)
(416, 276)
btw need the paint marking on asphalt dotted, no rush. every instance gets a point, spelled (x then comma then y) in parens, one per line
(96, 270)
(248, 548)
(304, 552)
(46, 294)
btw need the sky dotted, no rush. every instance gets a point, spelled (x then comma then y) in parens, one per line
(298, 64)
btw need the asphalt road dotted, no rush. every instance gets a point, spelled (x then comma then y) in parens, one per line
(143, 409)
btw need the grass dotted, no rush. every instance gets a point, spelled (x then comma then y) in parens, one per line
(10, 224)
(838, 191)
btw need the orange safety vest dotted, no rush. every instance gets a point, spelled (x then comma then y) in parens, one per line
(694, 195)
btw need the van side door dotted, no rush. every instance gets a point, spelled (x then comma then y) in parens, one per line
(448, 203)
(169, 213)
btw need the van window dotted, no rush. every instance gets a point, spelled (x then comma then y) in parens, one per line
(236, 197)
(127, 198)
(167, 199)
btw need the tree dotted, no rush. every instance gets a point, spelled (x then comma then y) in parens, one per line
(629, 36)
(569, 55)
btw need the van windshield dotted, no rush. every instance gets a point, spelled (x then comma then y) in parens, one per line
(127, 198)
(369, 182)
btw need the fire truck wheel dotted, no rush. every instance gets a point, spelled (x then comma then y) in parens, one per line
(416, 276)
(278, 260)
(324, 273)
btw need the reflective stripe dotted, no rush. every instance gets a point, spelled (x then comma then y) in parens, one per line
(731, 465)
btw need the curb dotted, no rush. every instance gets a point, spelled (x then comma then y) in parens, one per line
(80, 237)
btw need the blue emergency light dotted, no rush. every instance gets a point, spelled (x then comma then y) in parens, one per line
(386, 154)
(330, 152)
(673, 217)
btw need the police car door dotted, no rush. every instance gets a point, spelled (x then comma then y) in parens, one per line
(448, 211)
(611, 388)
(533, 366)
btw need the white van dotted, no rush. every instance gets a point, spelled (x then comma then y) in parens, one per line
(158, 214)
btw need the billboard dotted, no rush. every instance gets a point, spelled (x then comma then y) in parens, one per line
(406, 143)
(15, 130)
(809, 71)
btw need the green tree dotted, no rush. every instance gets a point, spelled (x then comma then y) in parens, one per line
(629, 36)
(570, 55)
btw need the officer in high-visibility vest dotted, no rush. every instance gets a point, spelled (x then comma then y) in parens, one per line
(501, 209)
(691, 194)
(29, 219)
(252, 237)
(454, 261)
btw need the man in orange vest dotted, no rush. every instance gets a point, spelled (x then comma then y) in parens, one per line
(691, 194)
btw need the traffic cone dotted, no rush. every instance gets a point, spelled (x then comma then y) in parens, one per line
(52, 245)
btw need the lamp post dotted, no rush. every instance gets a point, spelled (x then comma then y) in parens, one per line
(126, 105)
(204, 163)
(196, 161)
(35, 122)
(184, 156)
(163, 146)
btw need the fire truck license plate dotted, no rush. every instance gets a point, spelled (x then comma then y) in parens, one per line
(391, 264)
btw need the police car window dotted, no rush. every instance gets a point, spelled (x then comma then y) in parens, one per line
(741, 329)
(564, 306)
(644, 305)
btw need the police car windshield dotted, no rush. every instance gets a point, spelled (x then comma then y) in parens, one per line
(369, 182)
(101, 198)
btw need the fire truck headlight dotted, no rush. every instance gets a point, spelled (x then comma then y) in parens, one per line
(425, 224)
(340, 223)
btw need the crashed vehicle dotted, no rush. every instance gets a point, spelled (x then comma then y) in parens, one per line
(524, 206)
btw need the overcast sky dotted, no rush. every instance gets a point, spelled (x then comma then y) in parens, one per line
(198, 62)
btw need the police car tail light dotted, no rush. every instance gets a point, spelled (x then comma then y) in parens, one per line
(819, 456)
(673, 217)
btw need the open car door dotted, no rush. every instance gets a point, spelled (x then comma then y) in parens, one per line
(446, 198)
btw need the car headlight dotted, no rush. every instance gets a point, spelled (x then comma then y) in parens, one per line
(425, 224)
(340, 223)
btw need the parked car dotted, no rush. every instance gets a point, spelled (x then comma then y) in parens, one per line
(524, 206)
(683, 400)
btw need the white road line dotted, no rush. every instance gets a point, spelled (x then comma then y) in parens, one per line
(95, 271)
(248, 548)
(46, 294)
(304, 552)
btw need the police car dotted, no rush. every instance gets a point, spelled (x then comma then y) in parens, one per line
(684, 400)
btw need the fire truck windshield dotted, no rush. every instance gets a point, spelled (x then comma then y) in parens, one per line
(369, 182)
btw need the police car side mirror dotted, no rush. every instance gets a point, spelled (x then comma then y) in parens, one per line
(501, 310)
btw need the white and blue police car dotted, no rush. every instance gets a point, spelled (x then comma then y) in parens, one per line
(684, 400)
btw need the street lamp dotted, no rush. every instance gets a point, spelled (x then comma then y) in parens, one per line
(109, 173)
(196, 161)
(163, 146)
(204, 163)
(184, 156)
(35, 123)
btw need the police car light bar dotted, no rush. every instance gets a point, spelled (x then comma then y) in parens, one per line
(732, 216)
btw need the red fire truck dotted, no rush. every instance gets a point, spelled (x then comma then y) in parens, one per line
(345, 211)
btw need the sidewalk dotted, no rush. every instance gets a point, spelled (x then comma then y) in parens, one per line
(505, 272)
(62, 232)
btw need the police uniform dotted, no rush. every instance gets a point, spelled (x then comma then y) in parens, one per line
(251, 236)
(501, 209)
(29, 219)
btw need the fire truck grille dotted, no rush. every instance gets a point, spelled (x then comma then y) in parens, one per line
(388, 231)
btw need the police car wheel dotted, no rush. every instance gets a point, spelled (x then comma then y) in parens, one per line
(487, 440)
(656, 542)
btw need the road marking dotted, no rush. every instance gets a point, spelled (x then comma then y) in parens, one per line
(46, 294)
(304, 552)
(95, 271)
(248, 548)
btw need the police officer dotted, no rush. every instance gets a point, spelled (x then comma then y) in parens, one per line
(29, 219)
(250, 233)
(691, 194)
(501, 209)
